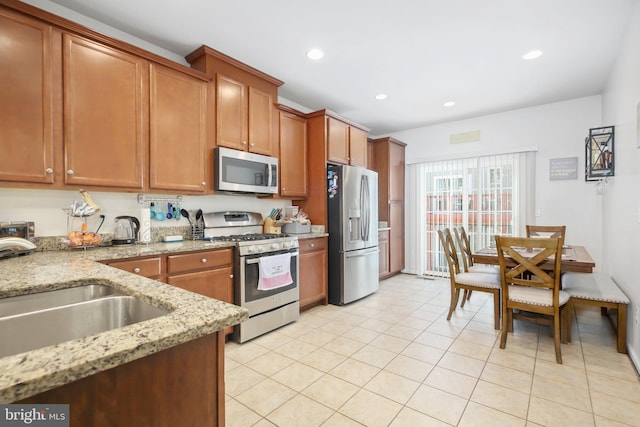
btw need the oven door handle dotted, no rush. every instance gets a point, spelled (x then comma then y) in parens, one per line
(257, 260)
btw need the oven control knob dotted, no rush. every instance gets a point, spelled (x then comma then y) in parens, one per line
(275, 246)
(251, 249)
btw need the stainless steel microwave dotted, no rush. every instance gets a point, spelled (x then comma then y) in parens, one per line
(241, 172)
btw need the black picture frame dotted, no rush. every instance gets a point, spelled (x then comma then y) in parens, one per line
(599, 153)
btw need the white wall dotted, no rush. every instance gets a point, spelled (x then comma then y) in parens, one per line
(44, 207)
(557, 130)
(621, 227)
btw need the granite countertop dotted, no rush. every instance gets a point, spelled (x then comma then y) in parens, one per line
(191, 315)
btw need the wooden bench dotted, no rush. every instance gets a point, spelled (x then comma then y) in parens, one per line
(600, 290)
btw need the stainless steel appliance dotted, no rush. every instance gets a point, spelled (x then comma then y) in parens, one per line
(126, 230)
(352, 204)
(23, 229)
(243, 172)
(16, 238)
(268, 309)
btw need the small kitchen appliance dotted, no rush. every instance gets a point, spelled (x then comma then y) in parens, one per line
(24, 229)
(16, 238)
(126, 230)
(268, 309)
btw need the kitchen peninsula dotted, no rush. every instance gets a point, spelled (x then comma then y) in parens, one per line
(130, 372)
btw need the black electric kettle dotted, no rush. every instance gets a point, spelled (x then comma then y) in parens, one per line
(126, 230)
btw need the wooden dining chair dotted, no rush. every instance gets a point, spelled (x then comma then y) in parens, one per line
(556, 231)
(467, 257)
(468, 281)
(529, 289)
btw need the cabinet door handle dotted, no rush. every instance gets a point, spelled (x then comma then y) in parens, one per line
(136, 270)
(70, 172)
(252, 144)
(49, 170)
(283, 189)
(231, 276)
(203, 183)
(312, 245)
(244, 142)
(204, 260)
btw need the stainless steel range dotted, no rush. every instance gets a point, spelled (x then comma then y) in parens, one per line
(257, 255)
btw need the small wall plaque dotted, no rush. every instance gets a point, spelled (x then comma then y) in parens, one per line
(564, 168)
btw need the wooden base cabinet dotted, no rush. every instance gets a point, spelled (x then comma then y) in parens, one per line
(383, 245)
(313, 272)
(179, 386)
(151, 267)
(208, 273)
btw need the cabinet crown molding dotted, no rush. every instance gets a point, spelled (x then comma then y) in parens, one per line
(336, 116)
(206, 50)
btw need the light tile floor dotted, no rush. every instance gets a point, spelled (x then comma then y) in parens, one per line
(392, 359)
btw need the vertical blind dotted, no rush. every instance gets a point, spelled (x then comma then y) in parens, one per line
(486, 195)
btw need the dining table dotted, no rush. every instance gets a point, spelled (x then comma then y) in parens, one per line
(574, 258)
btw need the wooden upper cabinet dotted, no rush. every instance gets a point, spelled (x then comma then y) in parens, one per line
(357, 147)
(178, 131)
(260, 121)
(293, 155)
(231, 113)
(337, 141)
(346, 144)
(244, 116)
(29, 98)
(106, 98)
(396, 171)
(245, 97)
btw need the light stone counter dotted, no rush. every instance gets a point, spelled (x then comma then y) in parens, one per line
(192, 315)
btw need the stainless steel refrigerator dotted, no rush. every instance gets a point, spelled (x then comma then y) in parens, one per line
(352, 205)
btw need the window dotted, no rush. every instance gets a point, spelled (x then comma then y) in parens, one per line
(486, 195)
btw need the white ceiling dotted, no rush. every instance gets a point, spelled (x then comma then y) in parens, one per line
(421, 53)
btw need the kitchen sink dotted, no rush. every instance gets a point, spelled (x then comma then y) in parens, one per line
(43, 300)
(39, 324)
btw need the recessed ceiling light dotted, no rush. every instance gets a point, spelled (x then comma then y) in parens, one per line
(381, 96)
(533, 54)
(449, 104)
(315, 54)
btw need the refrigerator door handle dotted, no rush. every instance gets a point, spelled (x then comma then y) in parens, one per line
(367, 208)
(364, 206)
(359, 254)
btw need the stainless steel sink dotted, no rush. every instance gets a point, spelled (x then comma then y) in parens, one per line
(50, 299)
(39, 327)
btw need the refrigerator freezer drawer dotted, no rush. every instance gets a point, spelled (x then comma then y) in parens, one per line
(360, 274)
